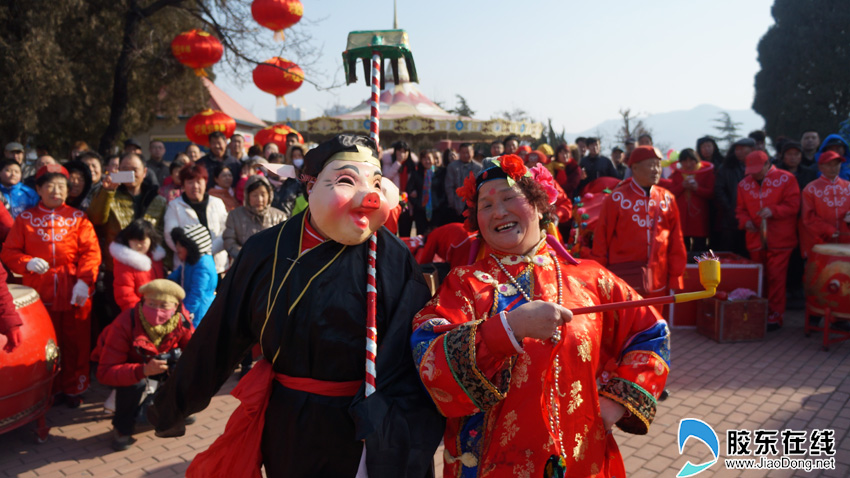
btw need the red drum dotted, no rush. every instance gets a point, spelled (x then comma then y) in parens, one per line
(26, 375)
(827, 280)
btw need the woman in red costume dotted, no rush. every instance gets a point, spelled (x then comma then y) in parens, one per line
(514, 327)
(55, 248)
(692, 182)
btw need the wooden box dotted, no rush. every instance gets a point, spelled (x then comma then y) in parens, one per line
(735, 272)
(732, 320)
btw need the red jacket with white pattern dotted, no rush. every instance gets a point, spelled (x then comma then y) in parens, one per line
(634, 227)
(778, 192)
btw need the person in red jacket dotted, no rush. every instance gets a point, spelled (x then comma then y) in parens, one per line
(6, 222)
(692, 182)
(638, 235)
(137, 259)
(54, 247)
(127, 357)
(767, 206)
(826, 206)
(10, 321)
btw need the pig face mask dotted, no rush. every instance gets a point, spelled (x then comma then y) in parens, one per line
(350, 200)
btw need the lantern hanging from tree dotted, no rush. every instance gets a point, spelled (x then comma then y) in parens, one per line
(278, 77)
(276, 134)
(277, 15)
(200, 126)
(197, 49)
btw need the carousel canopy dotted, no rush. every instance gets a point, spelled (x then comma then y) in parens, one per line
(406, 112)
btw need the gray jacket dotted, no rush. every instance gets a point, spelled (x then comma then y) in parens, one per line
(244, 221)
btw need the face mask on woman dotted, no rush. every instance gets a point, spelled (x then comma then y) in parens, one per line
(156, 316)
(298, 163)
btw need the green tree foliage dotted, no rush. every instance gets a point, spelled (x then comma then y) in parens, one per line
(727, 128)
(550, 137)
(804, 82)
(462, 108)
(101, 70)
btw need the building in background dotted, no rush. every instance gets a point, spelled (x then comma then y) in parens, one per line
(173, 135)
(290, 113)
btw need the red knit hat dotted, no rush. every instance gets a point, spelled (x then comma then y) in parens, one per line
(642, 153)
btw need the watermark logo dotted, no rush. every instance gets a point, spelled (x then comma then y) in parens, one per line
(698, 429)
(760, 449)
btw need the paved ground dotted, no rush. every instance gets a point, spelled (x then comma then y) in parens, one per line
(783, 382)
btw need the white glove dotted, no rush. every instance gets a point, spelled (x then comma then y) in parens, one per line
(38, 265)
(79, 294)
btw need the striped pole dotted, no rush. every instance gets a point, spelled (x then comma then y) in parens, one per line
(374, 130)
(371, 312)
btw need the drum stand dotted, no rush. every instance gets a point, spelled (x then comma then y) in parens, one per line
(827, 329)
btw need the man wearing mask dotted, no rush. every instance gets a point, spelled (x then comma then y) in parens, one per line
(156, 163)
(767, 204)
(810, 142)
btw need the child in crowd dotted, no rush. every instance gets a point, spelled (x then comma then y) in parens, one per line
(19, 196)
(249, 168)
(137, 258)
(197, 274)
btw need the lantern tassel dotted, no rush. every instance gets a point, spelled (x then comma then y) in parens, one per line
(281, 101)
(278, 35)
(200, 72)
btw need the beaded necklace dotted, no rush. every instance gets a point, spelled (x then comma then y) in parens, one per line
(555, 466)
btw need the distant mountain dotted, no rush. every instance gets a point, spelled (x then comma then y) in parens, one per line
(676, 129)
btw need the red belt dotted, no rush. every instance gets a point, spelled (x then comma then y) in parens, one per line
(319, 387)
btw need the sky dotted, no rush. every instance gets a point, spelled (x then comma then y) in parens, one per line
(576, 62)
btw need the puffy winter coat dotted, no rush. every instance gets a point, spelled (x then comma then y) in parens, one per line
(20, 198)
(245, 221)
(199, 280)
(116, 209)
(124, 348)
(64, 238)
(133, 270)
(181, 214)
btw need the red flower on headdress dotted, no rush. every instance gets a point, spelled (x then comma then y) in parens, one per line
(544, 178)
(513, 165)
(467, 191)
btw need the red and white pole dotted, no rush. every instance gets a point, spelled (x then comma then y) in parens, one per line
(374, 129)
(371, 313)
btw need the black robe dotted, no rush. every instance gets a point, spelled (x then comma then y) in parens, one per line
(322, 337)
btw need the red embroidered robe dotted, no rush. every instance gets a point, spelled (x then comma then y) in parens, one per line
(492, 394)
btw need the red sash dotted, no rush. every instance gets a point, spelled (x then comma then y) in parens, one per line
(236, 453)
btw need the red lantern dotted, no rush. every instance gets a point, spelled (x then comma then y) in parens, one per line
(276, 134)
(277, 15)
(197, 49)
(278, 77)
(200, 126)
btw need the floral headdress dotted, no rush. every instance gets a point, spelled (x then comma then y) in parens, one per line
(509, 166)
